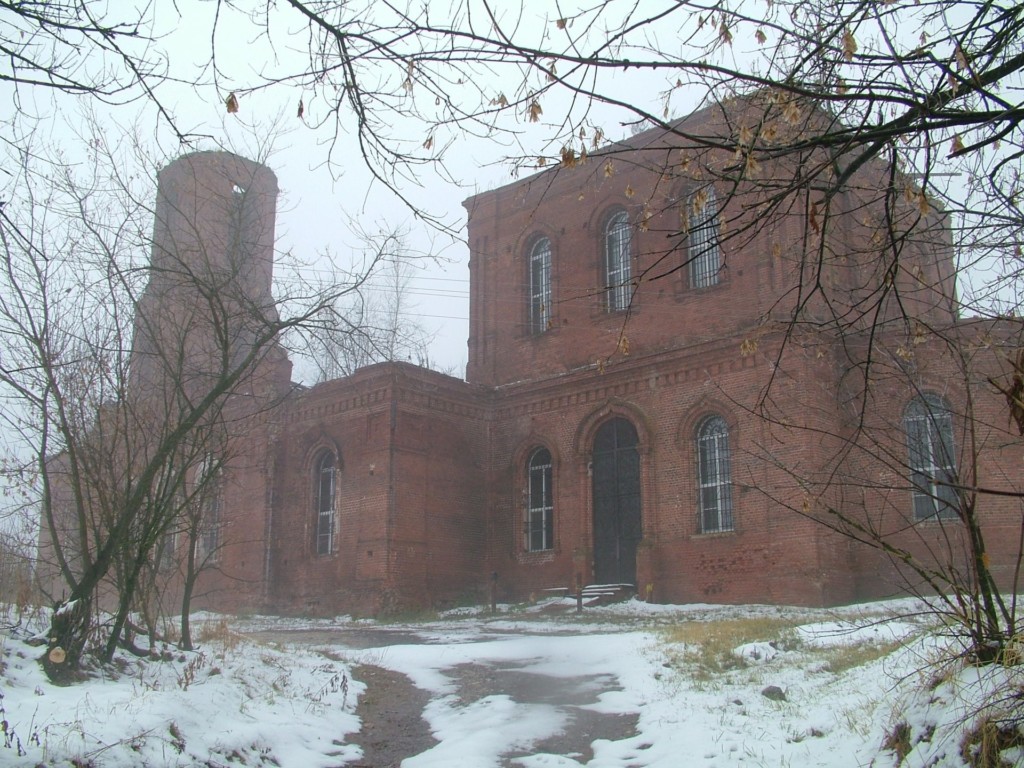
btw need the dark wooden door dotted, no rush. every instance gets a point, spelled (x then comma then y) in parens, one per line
(616, 500)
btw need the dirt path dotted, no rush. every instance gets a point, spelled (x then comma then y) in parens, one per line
(569, 694)
(391, 709)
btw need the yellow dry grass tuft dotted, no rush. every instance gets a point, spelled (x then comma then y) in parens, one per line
(219, 632)
(709, 645)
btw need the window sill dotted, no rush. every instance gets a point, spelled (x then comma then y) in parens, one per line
(714, 534)
(937, 520)
(536, 556)
(689, 291)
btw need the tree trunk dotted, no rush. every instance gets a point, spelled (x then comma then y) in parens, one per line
(191, 575)
(69, 632)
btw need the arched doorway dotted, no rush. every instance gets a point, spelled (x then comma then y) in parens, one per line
(616, 502)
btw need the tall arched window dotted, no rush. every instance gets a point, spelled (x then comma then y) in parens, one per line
(326, 474)
(933, 477)
(704, 257)
(209, 535)
(540, 505)
(207, 492)
(540, 286)
(714, 475)
(617, 262)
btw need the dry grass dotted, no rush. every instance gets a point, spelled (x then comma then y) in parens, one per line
(219, 632)
(897, 740)
(709, 645)
(841, 658)
(983, 746)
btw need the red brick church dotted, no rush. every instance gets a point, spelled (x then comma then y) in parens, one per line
(654, 396)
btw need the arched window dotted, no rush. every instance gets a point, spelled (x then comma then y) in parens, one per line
(326, 473)
(540, 502)
(209, 535)
(704, 257)
(714, 475)
(540, 286)
(933, 477)
(208, 498)
(617, 262)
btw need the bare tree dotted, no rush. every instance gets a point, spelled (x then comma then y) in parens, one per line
(15, 570)
(922, 100)
(930, 88)
(922, 428)
(937, 76)
(885, 138)
(123, 373)
(374, 323)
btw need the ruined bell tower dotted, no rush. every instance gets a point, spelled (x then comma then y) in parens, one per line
(209, 288)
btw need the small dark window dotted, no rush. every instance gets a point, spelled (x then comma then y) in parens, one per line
(704, 255)
(208, 498)
(209, 535)
(933, 475)
(540, 505)
(326, 472)
(714, 475)
(167, 551)
(618, 268)
(540, 286)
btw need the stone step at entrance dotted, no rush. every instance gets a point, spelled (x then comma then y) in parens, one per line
(593, 594)
(603, 594)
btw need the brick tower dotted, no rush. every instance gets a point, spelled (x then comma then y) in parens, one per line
(209, 288)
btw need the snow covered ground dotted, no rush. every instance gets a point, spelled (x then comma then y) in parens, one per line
(709, 686)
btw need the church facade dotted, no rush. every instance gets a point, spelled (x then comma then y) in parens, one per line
(653, 397)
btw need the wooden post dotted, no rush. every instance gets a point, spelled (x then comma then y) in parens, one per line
(579, 593)
(494, 592)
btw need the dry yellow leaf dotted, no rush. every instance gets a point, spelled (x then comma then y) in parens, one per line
(724, 34)
(700, 199)
(922, 203)
(960, 56)
(849, 44)
(791, 112)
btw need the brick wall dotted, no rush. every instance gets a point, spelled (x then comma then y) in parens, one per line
(432, 480)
